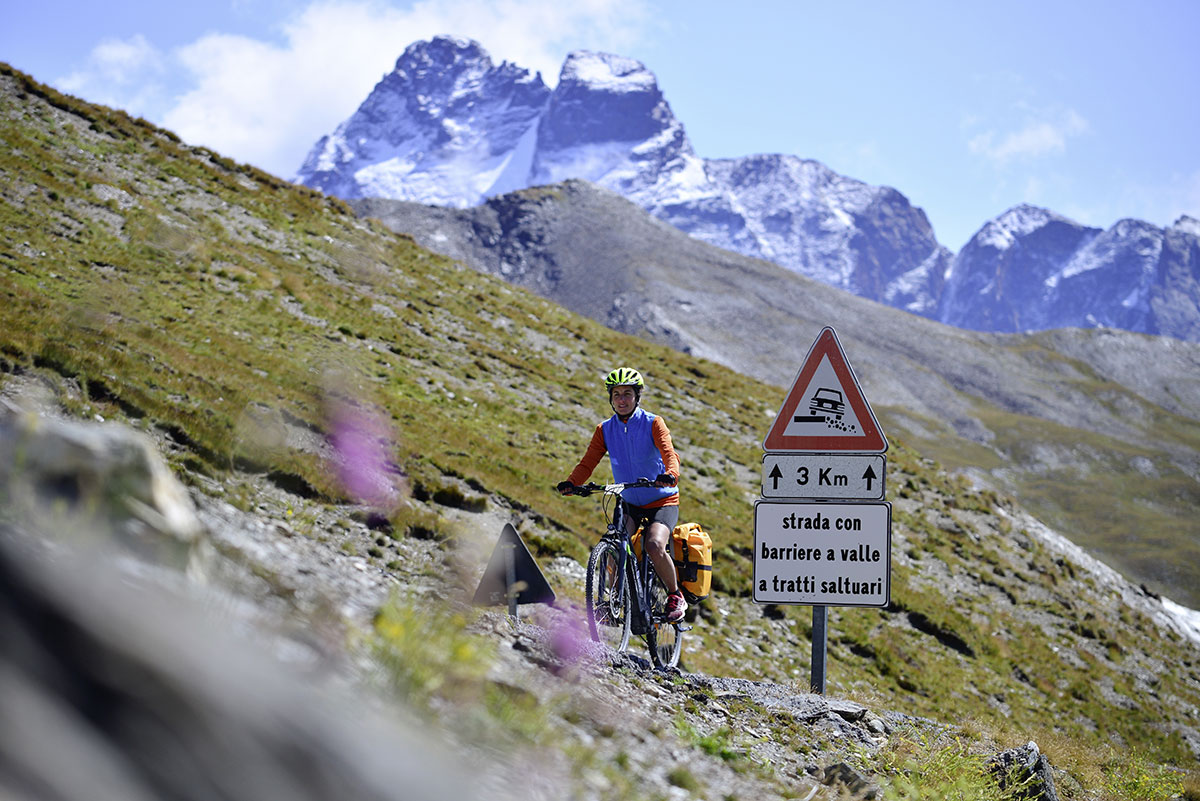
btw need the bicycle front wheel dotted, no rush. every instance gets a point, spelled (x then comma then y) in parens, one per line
(665, 640)
(607, 597)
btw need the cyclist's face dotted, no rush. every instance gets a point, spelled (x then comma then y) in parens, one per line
(624, 400)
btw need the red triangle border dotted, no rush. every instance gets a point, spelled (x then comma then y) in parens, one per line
(871, 440)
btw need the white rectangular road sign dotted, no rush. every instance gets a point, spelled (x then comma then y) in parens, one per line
(832, 476)
(822, 554)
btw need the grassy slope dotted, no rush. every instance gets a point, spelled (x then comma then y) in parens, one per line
(173, 288)
(1131, 504)
(1112, 442)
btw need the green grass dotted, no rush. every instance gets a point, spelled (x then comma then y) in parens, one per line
(429, 654)
(719, 743)
(1136, 778)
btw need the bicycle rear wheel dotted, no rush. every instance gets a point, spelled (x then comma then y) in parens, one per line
(607, 597)
(665, 640)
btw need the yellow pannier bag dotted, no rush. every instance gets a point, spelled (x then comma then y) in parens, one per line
(692, 553)
(693, 560)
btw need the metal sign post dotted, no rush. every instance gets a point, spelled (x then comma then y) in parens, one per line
(510, 577)
(819, 639)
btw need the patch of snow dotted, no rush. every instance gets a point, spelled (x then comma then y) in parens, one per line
(914, 283)
(1003, 232)
(334, 150)
(994, 236)
(1187, 225)
(1133, 300)
(1127, 238)
(608, 72)
(1188, 619)
(844, 220)
(689, 182)
(453, 184)
(591, 162)
(515, 166)
(661, 141)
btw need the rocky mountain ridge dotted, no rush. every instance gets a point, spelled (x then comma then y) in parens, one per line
(475, 130)
(1031, 269)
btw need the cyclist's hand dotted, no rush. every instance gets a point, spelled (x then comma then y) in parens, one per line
(566, 488)
(664, 480)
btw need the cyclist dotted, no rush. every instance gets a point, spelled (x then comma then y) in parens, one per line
(638, 444)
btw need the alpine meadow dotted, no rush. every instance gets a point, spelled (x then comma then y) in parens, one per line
(236, 321)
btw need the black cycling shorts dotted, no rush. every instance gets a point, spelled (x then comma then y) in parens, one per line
(643, 516)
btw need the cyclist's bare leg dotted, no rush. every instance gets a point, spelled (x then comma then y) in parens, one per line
(657, 540)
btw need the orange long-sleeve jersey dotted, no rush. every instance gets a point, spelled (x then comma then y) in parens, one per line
(597, 448)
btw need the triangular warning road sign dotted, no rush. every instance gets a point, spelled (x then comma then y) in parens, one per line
(825, 409)
(512, 570)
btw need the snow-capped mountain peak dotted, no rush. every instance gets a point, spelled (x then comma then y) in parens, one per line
(446, 126)
(1007, 229)
(1187, 225)
(608, 115)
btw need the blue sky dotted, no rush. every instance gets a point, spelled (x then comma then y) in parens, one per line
(1090, 109)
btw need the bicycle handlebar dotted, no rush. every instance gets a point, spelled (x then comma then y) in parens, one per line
(616, 489)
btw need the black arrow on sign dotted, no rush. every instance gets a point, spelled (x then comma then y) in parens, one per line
(775, 475)
(869, 476)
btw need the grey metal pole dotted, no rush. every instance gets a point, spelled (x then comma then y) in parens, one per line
(820, 619)
(510, 578)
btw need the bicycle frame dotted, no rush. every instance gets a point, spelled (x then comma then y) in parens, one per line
(630, 568)
(640, 574)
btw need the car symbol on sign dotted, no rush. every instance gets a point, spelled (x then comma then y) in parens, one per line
(827, 403)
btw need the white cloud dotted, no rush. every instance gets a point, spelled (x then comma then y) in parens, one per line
(267, 103)
(1036, 139)
(122, 60)
(126, 73)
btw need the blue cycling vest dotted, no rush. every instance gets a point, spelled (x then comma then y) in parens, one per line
(633, 455)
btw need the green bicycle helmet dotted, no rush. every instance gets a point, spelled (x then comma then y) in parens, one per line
(624, 377)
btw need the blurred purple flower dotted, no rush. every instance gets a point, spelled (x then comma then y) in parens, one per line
(361, 444)
(569, 640)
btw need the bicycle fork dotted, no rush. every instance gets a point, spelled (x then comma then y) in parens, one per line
(625, 558)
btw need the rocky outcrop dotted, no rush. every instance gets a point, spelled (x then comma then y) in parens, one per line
(113, 688)
(1025, 773)
(59, 475)
(1175, 292)
(602, 101)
